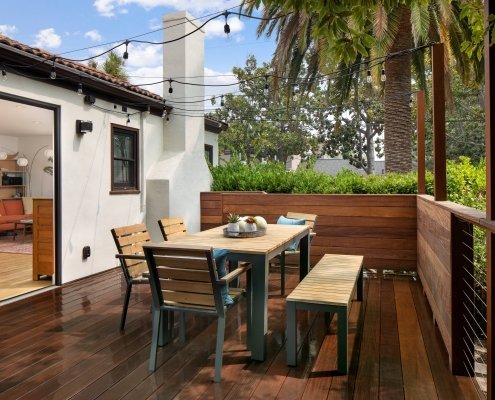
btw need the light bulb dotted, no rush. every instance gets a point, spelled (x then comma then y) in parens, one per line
(226, 27)
(410, 102)
(80, 89)
(53, 73)
(369, 78)
(126, 54)
(383, 77)
(4, 75)
(128, 118)
(222, 102)
(164, 113)
(170, 88)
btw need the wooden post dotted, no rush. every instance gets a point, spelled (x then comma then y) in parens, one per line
(490, 189)
(420, 124)
(440, 159)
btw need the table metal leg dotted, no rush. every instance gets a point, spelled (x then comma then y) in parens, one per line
(260, 307)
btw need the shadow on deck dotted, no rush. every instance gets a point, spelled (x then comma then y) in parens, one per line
(66, 344)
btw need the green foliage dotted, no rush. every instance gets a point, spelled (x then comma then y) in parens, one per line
(465, 181)
(272, 177)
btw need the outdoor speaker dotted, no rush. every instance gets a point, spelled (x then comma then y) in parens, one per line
(83, 127)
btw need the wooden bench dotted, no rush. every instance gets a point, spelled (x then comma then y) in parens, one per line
(329, 287)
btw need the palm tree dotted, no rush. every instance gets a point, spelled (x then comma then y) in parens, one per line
(326, 36)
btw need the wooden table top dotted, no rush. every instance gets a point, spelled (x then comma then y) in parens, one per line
(276, 235)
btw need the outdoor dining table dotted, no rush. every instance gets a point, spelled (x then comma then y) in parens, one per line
(258, 251)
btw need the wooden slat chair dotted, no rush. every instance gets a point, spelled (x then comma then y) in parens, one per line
(184, 278)
(291, 257)
(129, 241)
(172, 228)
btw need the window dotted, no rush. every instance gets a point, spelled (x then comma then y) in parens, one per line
(209, 153)
(124, 160)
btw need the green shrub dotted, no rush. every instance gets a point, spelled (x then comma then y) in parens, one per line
(465, 181)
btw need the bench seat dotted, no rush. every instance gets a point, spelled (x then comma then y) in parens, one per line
(329, 287)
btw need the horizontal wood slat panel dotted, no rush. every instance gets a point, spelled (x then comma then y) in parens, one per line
(185, 263)
(434, 262)
(189, 298)
(184, 274)
(187, 286)
(382, 228)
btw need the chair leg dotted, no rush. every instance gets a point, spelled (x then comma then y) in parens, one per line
(165, 332)
(155, 333)
(126, 305)
(219, 349)
(182, 326)
(282, 273)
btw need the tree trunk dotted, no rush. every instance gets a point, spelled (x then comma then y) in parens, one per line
(370, 149)
(398, 124)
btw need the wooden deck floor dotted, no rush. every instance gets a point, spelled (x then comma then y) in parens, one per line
(65, 344)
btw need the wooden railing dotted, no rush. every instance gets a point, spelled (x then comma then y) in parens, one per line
(382, 228)
(454, 284)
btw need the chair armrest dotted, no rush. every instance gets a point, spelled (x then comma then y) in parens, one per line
(130, 256)
(234, 274)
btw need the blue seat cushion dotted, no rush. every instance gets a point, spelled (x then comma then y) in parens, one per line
(291, 221)
(220, 256)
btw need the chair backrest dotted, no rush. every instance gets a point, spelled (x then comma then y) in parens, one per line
(309, 218)
(172, 228)
(129, 241)
(184, 278)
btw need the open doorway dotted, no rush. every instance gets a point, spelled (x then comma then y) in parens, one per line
(27, 133)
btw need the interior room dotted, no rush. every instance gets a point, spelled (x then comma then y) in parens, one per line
(26, 168)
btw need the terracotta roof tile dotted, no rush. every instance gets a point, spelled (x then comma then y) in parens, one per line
(77, 66)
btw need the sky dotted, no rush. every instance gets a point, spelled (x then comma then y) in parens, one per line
(63, 26)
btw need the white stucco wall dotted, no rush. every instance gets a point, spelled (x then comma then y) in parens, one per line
(176, 180)
(173, 170)
(89, 211)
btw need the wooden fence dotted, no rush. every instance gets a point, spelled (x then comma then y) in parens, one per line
(382, 228)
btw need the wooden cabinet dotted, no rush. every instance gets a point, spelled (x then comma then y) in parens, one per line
(43, 251)
(12, 179)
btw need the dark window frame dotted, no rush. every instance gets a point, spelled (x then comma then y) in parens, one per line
(209, 151)
(117, 188)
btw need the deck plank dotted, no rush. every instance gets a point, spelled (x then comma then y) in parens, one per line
(417, 375)
(367, 379)
(66, 344)
(391, 383)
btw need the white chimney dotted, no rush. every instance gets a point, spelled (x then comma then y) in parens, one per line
(174, 184)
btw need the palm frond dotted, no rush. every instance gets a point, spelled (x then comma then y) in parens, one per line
(420, 21)
(380, 22)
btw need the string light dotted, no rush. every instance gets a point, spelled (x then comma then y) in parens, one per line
(170, 88)
(226, 27)
(164, 113)
(369, 78)
(4, 74)
(80, 89)
(126, 54)
(222, 102)
(53, 73)
(128, 118)
(383, 77)
(410, 101)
